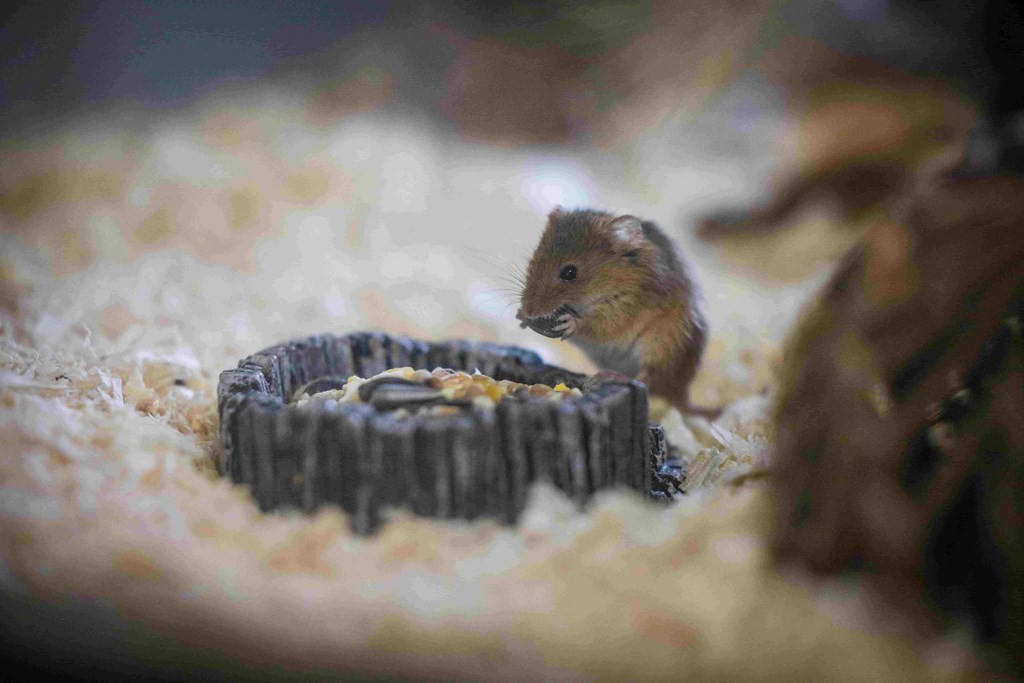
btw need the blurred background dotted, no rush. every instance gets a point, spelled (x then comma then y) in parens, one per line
(225, 175)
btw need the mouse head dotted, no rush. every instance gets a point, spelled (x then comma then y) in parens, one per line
(585, 259)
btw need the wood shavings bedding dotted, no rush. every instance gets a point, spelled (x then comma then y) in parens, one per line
(105, 496)
(110, 510)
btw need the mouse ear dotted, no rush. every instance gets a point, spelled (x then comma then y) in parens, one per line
(627, 231)
(556, 212)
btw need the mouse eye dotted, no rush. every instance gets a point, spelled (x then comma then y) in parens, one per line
(568, 273)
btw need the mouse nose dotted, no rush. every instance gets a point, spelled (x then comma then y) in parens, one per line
(519, 315)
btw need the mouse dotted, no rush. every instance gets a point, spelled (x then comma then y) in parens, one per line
(617, 287)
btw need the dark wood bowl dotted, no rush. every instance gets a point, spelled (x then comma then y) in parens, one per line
(467, 465)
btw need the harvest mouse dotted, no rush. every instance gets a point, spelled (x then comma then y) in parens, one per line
(616, 286)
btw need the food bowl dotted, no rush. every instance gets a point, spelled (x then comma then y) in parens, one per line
(474, 462)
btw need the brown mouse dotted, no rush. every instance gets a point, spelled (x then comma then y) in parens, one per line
(616, 286)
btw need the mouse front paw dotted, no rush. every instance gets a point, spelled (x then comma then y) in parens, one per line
(565, 325)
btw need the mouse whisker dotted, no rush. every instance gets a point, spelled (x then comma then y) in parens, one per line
(496, 261)
(518, 286)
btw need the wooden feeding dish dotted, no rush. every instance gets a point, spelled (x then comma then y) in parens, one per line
(469, 463)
